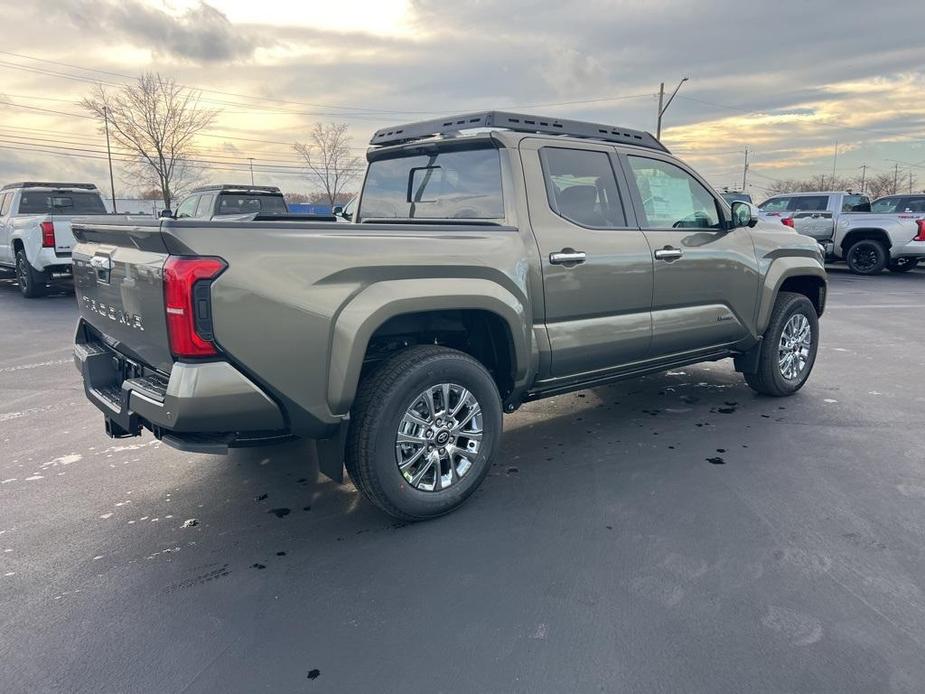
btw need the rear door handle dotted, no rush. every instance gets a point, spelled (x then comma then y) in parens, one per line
(567, 256)
(668, 253)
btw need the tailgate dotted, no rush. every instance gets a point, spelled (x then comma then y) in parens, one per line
(64, 237)
(118, 278)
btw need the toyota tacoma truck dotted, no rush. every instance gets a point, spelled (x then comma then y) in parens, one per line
(891, 235)
(35, 230)
(494, 259)
(888, 233)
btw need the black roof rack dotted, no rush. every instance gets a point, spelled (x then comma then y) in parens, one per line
(241, 188)
(46, 184)
(519, 122)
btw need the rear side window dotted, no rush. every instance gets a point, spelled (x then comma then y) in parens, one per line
(855, 203)
(582, 188)
(449, 184)
(5, 203)
(60, 202)
(237, 203)
(914, 205)
(809, 202)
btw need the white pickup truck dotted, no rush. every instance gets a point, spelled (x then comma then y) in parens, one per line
(35, 230)
(891, 235)
(868, 236)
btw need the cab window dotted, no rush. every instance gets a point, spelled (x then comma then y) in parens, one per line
(775, 205)
(671, 197)
(204, 208)
(582, 188)
(813, 203)
(5, 203)
(855, 203)
(187, 208)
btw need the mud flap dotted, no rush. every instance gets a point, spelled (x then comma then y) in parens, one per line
(331, 454)
(747, 362)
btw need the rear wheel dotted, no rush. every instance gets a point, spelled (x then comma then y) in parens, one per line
(903, 264)
(867, 257)
(32, 283)
(423, 431)
(788, 350)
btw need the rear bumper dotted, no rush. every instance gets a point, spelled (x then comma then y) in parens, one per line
(915, 249)
(204, 406)
(51, 260)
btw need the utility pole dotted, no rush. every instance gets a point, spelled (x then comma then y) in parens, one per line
(112, 184)
(863, 168)
(745, 170)
(895, 179)
(661, 108)
(834, 163)
(251, 160)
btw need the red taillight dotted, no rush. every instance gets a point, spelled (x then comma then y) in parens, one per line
(788, 222)
(48, 234)
(921, 225)
(186, 312)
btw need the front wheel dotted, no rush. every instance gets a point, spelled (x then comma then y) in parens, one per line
(903, 264)
(424, 429)
(788, 350)
(867, 257)
(32, 283)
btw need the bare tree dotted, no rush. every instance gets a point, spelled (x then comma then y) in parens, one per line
(157, 121)
(329, 159)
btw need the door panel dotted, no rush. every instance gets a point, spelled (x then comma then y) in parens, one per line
(705, 276)
(597, 304)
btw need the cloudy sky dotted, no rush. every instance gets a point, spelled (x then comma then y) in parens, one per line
(787, 79)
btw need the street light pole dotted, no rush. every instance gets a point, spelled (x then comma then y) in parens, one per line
(661, 108)
(112, 184)
(745, 171)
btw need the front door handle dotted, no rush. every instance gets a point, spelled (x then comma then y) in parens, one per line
(567, 257)
(668, 253)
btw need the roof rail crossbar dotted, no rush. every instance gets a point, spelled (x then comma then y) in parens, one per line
(235, 187)
(48, 184)
(519, 122)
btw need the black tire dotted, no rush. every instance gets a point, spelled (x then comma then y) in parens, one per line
(903, 264)
(867, 257)
(32, 283)
(768, 379)
(381, 403)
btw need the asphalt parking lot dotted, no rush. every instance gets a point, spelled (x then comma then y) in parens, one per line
(676, 533)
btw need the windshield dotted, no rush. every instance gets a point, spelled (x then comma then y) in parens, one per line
(246, 203)
(60, 202)
(449, 184)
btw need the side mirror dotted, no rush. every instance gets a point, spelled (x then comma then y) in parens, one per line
(744, 214)
(165, 214)
(337, 210)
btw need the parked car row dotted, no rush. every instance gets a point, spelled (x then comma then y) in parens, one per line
(870, 236)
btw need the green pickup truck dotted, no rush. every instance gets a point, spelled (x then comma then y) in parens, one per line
(494, 258)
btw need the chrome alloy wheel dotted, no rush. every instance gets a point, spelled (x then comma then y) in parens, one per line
(796, 341)
(438, 437)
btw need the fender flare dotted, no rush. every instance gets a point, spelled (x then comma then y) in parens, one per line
(780, 270)
(373, 306)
